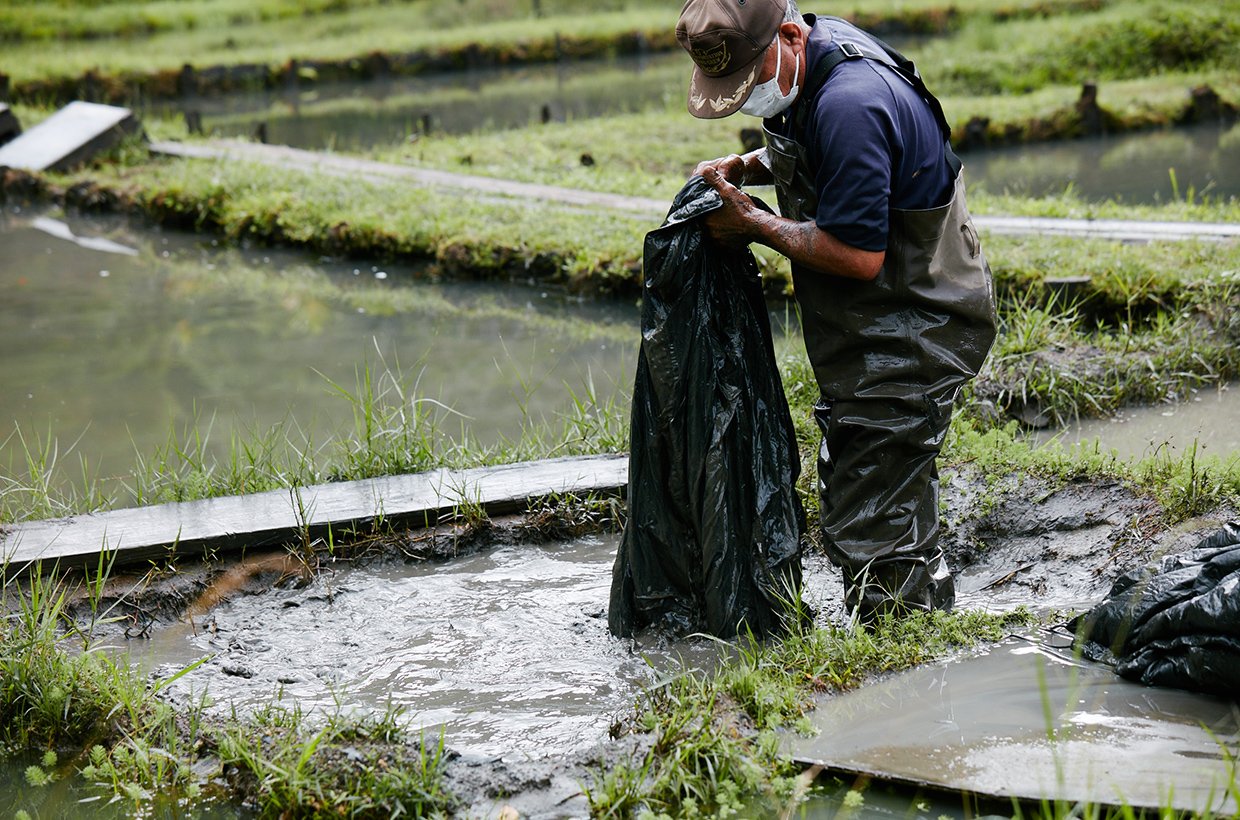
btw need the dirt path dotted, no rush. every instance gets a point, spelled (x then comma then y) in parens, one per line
(339, 165)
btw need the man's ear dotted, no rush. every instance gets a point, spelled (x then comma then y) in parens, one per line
(793, 34)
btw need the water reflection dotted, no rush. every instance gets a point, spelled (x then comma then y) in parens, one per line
(1151, 167)
(356, 116)
(110, 353)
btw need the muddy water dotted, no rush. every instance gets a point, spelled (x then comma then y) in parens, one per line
(113, 338)
(1027, 719)
(507, 651)
(1151, 167)
(1210, 422)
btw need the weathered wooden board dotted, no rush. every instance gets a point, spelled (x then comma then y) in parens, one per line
(222, 524)
(72, 135)
(9, 125)
(980, 725)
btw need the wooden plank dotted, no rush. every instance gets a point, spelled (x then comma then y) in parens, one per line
(217, 525)
(72, 135)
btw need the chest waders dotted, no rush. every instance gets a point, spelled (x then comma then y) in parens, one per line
(889, 356)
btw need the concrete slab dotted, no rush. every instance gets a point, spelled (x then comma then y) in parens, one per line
(1028, 721)
(217, 525)
(69, 137)
(9, 125)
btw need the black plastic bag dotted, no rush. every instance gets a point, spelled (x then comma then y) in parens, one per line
(713, 537)
(1175, 623)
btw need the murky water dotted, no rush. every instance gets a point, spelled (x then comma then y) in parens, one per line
(507, 651)
(68, 795)
(1029, 720)
(1210, 422)
(110, 348)
(1149, 167)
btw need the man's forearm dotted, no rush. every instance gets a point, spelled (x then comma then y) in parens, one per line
(810, 246)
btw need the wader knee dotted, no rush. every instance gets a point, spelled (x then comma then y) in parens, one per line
(878, 487)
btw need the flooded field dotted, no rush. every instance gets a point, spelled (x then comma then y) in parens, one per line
(115, 338)
(1028, 720)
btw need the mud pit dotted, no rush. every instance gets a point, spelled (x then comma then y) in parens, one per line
(507, 649)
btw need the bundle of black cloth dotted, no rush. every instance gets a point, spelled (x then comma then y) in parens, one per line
(1176, 622)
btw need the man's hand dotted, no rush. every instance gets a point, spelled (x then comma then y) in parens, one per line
(736, 223)
(740, 222)
(731, 168)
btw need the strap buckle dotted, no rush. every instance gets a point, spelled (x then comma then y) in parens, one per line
(851, 51)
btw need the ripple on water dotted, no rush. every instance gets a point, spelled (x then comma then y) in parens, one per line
(507, 650)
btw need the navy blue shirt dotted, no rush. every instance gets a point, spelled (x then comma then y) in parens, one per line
(873, 142)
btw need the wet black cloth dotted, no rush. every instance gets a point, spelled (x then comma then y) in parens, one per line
(713, 537)
(1174, 623)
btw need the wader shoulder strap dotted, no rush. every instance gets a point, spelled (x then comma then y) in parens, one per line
(892, 59)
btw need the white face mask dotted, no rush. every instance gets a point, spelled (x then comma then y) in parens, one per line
(766, 100)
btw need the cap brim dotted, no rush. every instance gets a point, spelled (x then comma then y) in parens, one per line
(711, 98)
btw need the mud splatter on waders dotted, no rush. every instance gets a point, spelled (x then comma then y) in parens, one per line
(890, 357)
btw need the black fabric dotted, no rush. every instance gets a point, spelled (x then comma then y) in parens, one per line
(713, 537)
(1175, 623)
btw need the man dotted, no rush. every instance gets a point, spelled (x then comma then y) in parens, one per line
(895, 295)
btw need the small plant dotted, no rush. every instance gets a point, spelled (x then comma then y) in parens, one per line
(347, 766)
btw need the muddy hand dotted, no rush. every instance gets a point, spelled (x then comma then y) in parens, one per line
(736, 223)
(731, 168)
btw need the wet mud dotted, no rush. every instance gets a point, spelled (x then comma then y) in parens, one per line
(496, 634)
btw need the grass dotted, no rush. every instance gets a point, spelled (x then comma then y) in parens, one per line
(994, 48)
(98, 719)
(710, 747)
(397, 28)
(340, 766)
(1154, 324)
(394, 431)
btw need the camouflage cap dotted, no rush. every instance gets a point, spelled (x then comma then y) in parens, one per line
(727, 40)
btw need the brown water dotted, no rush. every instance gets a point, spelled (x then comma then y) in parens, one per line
(506, 651)
(1210, 422)
(113, 338)
(1028, 720)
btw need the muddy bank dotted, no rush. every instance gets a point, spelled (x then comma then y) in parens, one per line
(273, 626)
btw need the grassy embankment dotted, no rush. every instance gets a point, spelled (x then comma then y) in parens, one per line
(269, 39)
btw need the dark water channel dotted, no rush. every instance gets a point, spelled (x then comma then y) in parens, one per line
(359, 115)
(1149, 167)
(114, 338)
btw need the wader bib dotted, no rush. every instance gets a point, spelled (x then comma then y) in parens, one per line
(889, 356)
